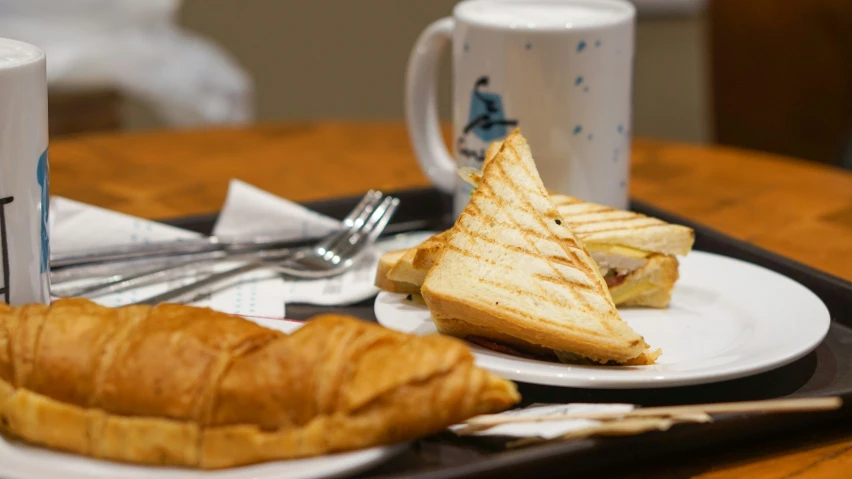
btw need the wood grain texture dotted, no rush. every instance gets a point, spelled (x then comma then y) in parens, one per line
(819, 454)
(795, 208)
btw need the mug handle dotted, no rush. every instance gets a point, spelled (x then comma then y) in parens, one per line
(421, 105)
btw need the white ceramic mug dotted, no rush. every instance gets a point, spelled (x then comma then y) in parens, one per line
(560, 70)
(24, 178)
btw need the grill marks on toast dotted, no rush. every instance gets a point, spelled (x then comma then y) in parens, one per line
(486, 239)
(620, 217)
(568, 243)
(591, 231)
(488, 193)
(588, 268)
(517, 249)
(548, 298)
(491, 221)
(508, 268)
(513, 289)
(472, 255)
(560, 281)
(592, 222)
(562, 261)
(570, 239)
(589, 217)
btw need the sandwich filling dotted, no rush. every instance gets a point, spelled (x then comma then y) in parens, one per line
(616, 262)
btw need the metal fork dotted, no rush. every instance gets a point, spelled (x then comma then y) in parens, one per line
(327, 258)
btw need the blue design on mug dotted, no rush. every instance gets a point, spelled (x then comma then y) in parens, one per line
(43, 179)
(487, 120)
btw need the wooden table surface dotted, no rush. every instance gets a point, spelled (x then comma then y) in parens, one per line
(794, 208)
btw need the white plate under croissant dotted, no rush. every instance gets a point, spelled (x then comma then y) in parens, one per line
(20, 461)
(173, 390)
(23, 461)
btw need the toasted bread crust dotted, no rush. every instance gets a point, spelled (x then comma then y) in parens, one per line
(386, 262)
(460, 328)
(404, 272)
(524, 333)
(491, 152)
(464, 329)
(412, 266)
(428, 252)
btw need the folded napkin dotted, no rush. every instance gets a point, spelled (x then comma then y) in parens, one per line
(247, 210)
(544, 422)
(555, 428)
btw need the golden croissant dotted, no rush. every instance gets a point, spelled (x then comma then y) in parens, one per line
(177, 385)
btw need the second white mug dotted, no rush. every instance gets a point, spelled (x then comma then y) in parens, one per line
(560, 70)
(24, 175)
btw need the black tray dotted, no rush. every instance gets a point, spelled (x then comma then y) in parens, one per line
(827, 371)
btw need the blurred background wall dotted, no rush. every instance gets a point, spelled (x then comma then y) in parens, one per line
(771, 75)
(346, 59)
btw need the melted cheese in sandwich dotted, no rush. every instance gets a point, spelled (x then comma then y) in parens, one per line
(629, 291)
(622, 259)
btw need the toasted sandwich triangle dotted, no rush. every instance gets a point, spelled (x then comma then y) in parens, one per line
(513, 272)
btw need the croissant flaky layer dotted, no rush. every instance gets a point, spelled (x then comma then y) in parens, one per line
(178, 385)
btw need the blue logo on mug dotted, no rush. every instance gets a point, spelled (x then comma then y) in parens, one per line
(43, 180)
(487, 120)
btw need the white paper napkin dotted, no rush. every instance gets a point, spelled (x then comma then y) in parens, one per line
(555, 428)
(250, 210)
(247, 210)
(76, 225)
(543, 428)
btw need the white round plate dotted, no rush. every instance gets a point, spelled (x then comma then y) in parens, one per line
(727, 319)
(22, 461)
